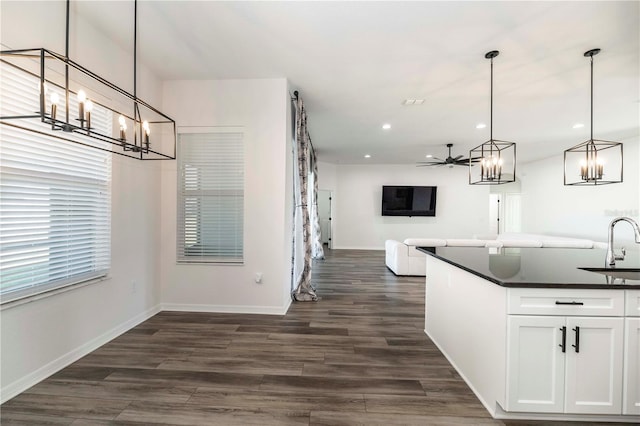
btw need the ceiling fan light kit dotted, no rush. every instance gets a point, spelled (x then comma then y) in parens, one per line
(593, 162)
(493, 162)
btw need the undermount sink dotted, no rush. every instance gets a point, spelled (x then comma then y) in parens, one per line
(620, 273)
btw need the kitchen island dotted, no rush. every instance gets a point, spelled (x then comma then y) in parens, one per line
(535, 336)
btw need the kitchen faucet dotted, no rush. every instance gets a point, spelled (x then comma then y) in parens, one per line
(611, 255)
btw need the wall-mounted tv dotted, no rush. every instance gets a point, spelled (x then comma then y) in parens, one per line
(409, 200)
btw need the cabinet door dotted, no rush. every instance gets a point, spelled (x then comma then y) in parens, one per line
(631, 395)
(535, 364)
(594, 365)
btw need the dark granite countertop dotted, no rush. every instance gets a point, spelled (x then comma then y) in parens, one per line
(538, 267)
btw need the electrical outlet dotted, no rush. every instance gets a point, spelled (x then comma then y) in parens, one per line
(258, 277)
(134, 286)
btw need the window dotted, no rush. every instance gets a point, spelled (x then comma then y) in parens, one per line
(55, 204)
(210, 197)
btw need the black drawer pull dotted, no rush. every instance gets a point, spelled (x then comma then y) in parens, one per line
(577, 345)
(563, 345)
(570, 303)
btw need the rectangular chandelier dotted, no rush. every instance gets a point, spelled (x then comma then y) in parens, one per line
(48, 93)
(593, 162)
(492, 163)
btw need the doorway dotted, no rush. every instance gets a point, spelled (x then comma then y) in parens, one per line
(324, 214)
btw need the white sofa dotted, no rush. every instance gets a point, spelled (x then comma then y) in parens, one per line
(402, 258)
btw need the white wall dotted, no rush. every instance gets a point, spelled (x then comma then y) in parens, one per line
(260, 109)
(550, 207)
(462, 210)
(42, 336)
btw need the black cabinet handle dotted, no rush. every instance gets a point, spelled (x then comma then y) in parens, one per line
(563, 345)
(577, 345)
(569, 303)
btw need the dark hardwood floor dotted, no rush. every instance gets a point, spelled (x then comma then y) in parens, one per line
(359, 356)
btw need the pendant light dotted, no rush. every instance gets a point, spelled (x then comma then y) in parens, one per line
(594, 162)
(48, 93)
(493, 162)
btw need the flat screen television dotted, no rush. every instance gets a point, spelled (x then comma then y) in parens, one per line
(409, 200)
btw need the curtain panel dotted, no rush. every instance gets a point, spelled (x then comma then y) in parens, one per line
(303, 291)
(317, 251)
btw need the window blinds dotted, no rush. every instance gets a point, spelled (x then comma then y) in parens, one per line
(55, 204)
(210, 197)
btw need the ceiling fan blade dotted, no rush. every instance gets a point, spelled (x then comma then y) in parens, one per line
(424, 163)
(457, 158)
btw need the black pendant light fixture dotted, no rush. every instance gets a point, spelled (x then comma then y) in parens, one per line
(593, 162)
(493, 162)
(50, 94)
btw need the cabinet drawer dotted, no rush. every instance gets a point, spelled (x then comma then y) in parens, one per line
(553, 301)
(632, 308)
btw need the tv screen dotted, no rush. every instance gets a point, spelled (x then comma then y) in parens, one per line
(409, 200)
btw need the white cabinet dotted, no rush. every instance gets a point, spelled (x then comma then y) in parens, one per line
(535, 364)
(594, 370)
(631, 403)
(558, 364)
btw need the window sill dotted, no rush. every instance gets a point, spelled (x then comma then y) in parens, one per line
(208, 263)
(35, 297)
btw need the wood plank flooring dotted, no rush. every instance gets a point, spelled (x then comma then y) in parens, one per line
(359, 356)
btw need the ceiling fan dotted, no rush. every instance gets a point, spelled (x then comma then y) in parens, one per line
(449, 161)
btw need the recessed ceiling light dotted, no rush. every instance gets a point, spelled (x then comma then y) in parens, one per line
(480, 126)
(386, 126)
(578, 125)
(429, 156)
(367, 156)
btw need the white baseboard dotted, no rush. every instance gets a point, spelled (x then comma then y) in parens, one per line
(24, 383)
(227, 309)
(287, 305)
(358, 248)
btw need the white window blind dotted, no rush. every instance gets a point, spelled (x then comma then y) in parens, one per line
(210, 197)
(55, 202)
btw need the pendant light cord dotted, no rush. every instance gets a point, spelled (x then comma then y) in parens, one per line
(591, 97)
(135, 48)
(66, 64)
(491, 107)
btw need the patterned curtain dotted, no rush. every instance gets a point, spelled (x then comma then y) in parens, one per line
(316, 236)
(304, 291)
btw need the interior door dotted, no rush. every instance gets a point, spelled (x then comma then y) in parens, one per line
(324, 213)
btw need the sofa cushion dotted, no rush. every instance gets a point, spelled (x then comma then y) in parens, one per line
(425, 242)
(461, 242)
(521, 243)
(567, 243)
(493, 243)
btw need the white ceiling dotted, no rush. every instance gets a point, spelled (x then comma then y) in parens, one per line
(355, 62)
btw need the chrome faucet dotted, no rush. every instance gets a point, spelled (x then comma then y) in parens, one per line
(611, 255)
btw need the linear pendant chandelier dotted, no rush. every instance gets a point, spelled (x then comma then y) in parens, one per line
(49, 94)
(593, 162)
(497, 159)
